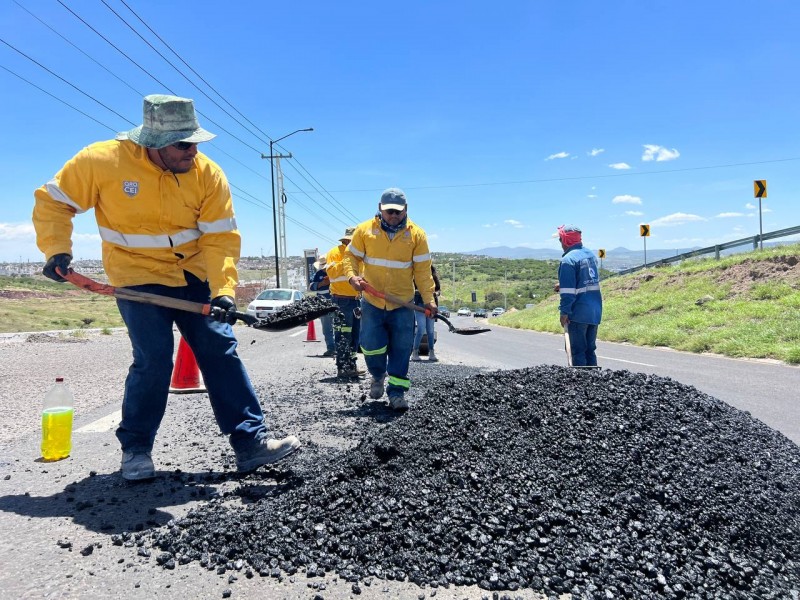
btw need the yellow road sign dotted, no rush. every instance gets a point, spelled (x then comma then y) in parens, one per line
(644, 230)
(601, 253)
(760, 188)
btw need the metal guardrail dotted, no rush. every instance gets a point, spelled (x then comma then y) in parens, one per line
(715, 249)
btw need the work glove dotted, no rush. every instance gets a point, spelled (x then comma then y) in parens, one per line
(223, 309)
(57, 260)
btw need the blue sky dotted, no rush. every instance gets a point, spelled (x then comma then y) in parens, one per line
(501, 120)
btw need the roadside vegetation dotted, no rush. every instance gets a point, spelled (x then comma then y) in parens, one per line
(745, 305)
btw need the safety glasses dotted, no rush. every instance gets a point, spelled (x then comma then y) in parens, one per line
(183, 146)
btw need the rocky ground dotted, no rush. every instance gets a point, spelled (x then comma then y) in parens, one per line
(511, 484)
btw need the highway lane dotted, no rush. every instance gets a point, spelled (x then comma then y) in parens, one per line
(768, 390)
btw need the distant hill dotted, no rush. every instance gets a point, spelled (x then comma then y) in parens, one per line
(618, 258)
(518, 252)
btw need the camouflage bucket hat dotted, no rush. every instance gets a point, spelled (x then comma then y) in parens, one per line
(167, 120)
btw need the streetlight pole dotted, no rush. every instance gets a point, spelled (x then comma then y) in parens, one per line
(274, 211)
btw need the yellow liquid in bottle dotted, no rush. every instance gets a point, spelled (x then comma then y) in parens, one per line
(56, 433)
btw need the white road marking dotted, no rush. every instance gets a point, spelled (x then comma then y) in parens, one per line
(105, 424)
(301, 332)
(633, 362)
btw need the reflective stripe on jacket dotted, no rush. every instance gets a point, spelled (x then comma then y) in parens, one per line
(154, 223)
(334, 265)
(579, 286)
(391, 266)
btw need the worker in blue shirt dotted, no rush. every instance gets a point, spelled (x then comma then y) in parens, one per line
(581, 304)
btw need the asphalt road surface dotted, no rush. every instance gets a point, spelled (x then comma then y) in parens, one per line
(56, 519)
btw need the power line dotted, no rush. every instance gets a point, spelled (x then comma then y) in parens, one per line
(65, 81)
(579, 177)
(333, 200)
(57, 98)
(153, 77)
(177, 70)
(109, 71)
(191, 69)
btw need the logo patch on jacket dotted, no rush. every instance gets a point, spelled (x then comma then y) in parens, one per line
(131, 188)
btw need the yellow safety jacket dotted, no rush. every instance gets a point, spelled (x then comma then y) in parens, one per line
(334, 267)
(391, 266)
(154, 223)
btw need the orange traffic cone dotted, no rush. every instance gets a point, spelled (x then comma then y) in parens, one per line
(311, 334)
(186, 377)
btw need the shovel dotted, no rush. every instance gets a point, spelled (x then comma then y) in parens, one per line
(90, 285)
(459, 330)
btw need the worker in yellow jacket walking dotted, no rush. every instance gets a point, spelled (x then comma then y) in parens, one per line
(346, 323)
(389, 252)
(165, 215)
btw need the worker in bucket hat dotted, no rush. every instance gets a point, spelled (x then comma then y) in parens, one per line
(166, 219)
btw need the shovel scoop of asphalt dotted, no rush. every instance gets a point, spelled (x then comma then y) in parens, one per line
(297, 313)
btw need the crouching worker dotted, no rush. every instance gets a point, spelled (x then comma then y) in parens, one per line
(165, 216)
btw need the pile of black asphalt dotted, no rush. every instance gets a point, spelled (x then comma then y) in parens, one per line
(603, 484)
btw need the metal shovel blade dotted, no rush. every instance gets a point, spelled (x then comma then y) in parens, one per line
(462, 330)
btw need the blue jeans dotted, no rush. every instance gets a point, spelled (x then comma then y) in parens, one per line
(235, 404)
(582, 340)
(327, 331)
(386, 340)
(424, 325)
(346, 331)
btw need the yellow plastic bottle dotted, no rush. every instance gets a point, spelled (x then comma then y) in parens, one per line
(57, 422)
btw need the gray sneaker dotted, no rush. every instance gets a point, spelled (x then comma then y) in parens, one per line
(137, 466)
(376, 387)
(398, 402)
(266, 452)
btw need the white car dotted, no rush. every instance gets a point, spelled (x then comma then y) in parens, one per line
(270, 301)
(498, 311)
(464, 312)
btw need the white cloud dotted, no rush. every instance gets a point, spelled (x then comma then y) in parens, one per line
(592, 196)
(490, 225)
(514, 223)
(558, 155)
(634, 213)
(659, 153)
(750, 206)
(17, 231)
(766, 210)
(18, 243)
(728, 215)
(620, 166)
(432, 236)
(596, 151)
(626, 199)
(677, 219)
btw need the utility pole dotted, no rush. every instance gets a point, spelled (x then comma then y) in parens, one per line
(454, 284)
(274, 208)
(281, 206)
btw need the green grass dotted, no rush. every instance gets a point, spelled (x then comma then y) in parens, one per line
(746, 305)
(700, 306)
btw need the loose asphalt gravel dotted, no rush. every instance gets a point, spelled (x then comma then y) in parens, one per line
(602, 484)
